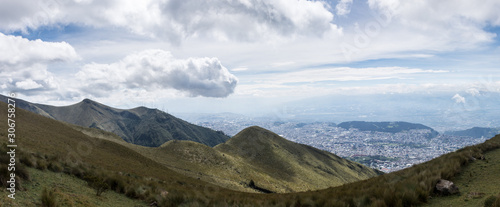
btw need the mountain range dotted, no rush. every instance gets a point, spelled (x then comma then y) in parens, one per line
(255, 154)
(141, 125)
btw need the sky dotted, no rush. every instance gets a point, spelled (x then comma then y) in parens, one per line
(246, 56)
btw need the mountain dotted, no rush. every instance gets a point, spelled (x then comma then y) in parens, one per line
(46, 142)
(391, 127)
(272, 164)
(258, 156)
(298, 164)
(476, 132)
(142, 126)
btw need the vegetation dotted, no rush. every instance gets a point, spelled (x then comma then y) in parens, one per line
(98, 183)
(48, 198)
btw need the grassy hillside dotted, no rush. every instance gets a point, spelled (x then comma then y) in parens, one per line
(301, 166)
(142, 126)
(54, 143)
(68, 191)
(308, 168)
(477, 182)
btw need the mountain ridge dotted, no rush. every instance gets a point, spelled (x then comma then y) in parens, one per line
(140, 125)
(476, 132)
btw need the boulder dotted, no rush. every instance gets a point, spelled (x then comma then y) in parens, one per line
(446, 187)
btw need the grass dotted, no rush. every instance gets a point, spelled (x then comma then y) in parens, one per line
(67, 190)
(477, 182)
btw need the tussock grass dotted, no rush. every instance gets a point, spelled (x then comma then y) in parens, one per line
(48, 198)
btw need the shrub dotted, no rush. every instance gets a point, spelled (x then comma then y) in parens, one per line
(41, 164)
(97, 183)
(48, 198)
(28, 160)
(116, 184)
(54, 166)
(497, 202)
(22, 172)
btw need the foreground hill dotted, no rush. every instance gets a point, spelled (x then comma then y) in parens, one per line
(270, 162)
(391, 127)
(46, 144)
(142, 126)
(303, 166)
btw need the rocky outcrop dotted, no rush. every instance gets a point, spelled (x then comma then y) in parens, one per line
(446, 187)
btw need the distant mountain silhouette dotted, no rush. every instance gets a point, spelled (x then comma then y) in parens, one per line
(142, 126)
(476, 132)
(391, 127)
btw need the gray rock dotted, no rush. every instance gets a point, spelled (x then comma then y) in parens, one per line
(446, 187)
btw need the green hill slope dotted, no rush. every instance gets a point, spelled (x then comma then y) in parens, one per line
(142, 126)
(301, 166)
(54, 142)
(272, 163)
(477, 182)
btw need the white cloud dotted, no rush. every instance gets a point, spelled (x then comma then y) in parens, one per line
(343, 7)
(473, 91)
(175, 20)
(23, 63)
(345, 74)
(239, 69)
(28, 84)
(448, 24)
(458, 98)
(17, 50)
(157, 70)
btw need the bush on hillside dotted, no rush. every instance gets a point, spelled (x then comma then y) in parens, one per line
(48, 198)
(97, 183)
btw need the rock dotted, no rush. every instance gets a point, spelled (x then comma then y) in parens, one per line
(446, 187)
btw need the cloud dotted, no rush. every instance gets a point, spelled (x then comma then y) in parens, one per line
(23, 63)
(473, 91)
(28, 84)
(458, 98)
(156, 70)
(345, 74)
(175, 20)
(17, 50)
(445, 24)
(343, 7)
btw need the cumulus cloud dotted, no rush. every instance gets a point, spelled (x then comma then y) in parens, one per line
(343, 7)
(23, 63)
(245, 20)
(158, 70)
(17, 50)
(458, 98)
(442, 25)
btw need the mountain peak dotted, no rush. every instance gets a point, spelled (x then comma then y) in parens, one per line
(88, 101)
